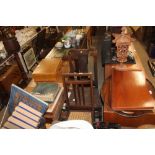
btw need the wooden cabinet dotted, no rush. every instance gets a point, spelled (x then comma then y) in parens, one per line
(12, 75)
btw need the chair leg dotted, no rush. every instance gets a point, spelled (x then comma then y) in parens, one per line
(64, 115)
(113, 126)
(99, 125)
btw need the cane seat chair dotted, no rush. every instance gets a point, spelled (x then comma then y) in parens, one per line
(79, 96)
(89, 37)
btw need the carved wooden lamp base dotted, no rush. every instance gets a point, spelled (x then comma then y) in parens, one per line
(122, 60)
(121, 66)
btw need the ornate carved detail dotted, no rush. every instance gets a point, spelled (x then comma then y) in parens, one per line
(123, 42)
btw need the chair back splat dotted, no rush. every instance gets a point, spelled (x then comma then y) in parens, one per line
(79, 61)
(79, 91)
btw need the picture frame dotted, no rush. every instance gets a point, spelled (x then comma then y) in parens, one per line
(29, 58)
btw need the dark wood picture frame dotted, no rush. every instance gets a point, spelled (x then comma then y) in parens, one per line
(29, 58)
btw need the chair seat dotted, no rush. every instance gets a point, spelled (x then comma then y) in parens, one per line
(80, 116)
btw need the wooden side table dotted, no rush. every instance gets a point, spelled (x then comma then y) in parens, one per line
(113, 116)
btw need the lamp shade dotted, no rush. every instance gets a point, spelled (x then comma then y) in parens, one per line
(11, 45)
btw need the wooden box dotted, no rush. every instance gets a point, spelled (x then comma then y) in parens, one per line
(54, 108)
(47, 70)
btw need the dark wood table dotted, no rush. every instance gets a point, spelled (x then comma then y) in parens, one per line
(131, 118)
(128, 95)
(129, 91)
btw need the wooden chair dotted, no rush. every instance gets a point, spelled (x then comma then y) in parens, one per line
(79, 96)
(40, 45)
(78, 61)
(89, 37)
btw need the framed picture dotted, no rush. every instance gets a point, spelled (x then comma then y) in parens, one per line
(29, 58)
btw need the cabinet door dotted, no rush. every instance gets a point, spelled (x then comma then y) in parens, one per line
(12, 75)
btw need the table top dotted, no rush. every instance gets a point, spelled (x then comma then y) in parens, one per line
(53, 55)
(59, 53)
(48, 67)
(129, 91)
(109, 57)
(130, 66)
